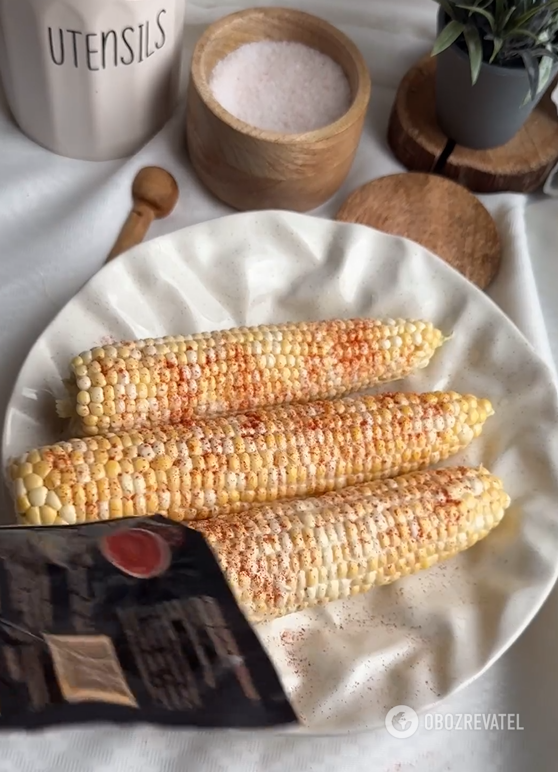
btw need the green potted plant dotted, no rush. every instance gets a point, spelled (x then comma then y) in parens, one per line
(495, 60)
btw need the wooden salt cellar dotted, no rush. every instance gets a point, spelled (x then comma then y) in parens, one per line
(435, 212)
(522, 165)
(251, 168)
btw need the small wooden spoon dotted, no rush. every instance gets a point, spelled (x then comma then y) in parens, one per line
(154, 193)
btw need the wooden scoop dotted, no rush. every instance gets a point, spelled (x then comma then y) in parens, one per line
(154, 193)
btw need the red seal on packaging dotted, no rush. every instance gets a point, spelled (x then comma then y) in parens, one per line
(137, 552)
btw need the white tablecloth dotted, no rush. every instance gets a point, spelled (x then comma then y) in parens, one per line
(58, 220)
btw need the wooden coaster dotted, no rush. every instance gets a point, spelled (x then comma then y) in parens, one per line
(439, 214)
(521, 166)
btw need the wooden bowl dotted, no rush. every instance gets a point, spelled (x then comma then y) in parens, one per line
(251, 168)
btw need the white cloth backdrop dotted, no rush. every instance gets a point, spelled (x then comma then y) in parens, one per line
(58, 220)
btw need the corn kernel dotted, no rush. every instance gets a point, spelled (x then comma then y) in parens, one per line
(83, 398)
(103, 489)
(78, 496)
(42, 468)
(37, 496)
(141, 465)
(116, 510)
(112, 469)
(128, 508)
(47, 515)
(150, 480)
(152, 503)
(22, 504)
(32, 481)
(161, 463)
(53, 479)
(33, 516)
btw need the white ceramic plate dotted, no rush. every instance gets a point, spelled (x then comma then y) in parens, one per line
(416, 641)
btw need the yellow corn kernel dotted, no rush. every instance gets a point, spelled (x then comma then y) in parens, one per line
(33, 516)
(103, 489)
(53, 479)
(32, 481)
(22, 504)
(161, 463)
(47, 515)
(152, 503)
(112, 469)
(141, 465)
(42, 468)
(116, 509)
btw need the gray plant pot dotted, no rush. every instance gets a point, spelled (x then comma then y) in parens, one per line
(487, 114)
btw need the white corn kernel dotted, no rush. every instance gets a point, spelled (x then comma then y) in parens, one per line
(103, 510)
(53, 501)
(68, 514)
(37, 496)
(83, 383)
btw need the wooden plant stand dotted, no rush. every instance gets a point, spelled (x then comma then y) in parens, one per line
(521, 166)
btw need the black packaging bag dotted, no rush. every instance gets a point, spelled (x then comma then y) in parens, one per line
(127, 621)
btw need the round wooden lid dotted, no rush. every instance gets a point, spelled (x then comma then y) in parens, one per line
(435, 212)
(522, 165)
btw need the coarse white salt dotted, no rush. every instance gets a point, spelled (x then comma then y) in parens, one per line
(281, 86)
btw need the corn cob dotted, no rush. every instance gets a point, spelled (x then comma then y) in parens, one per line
(294, 555)
(148, 383)
(226, 464)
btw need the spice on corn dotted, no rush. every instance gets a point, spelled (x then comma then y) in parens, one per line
(294, 555)
(228, 463)
(148, 383)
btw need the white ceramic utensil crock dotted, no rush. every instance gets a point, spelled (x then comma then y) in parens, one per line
(91, 79)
